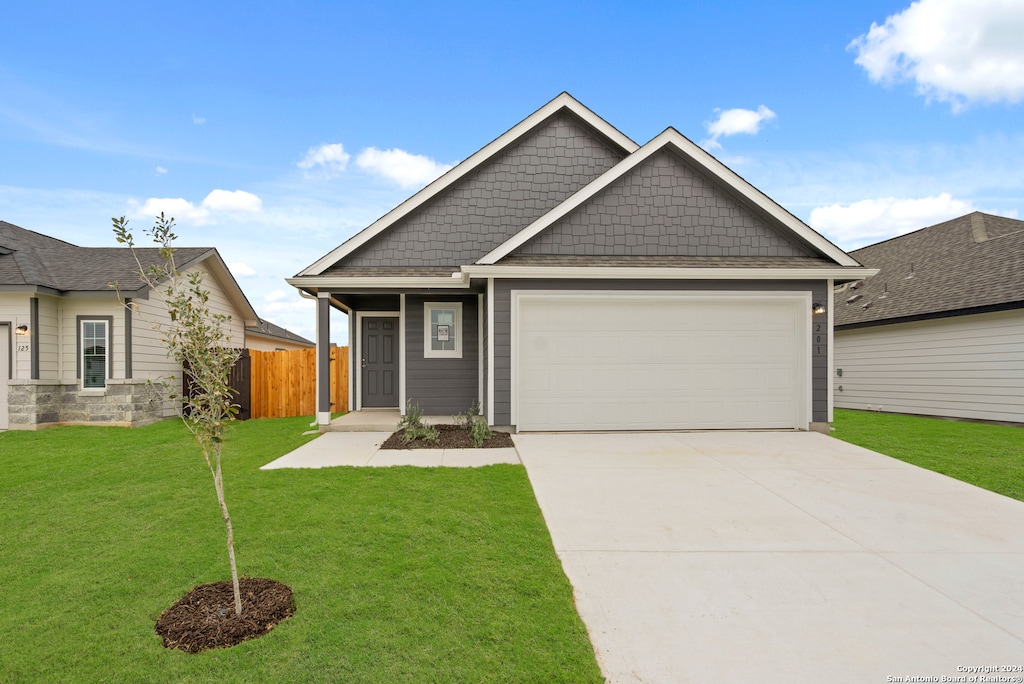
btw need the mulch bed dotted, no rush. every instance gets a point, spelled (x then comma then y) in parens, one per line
(452, 437)
(205, 617)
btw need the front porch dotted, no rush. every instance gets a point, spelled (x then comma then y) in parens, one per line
(375, 420)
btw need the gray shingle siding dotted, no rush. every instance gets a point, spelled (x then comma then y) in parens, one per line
(495, 202)
(503, 327)
(663, 208)
(441, 387)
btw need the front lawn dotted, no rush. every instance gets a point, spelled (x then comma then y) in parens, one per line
(400, 574)
(989, 456)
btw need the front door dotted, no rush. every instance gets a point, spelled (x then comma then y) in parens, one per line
(379, 362)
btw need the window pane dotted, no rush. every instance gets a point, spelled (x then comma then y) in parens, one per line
(442, 329)
(94, 354)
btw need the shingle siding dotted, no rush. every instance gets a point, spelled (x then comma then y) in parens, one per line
(663, 208)
(495, 202)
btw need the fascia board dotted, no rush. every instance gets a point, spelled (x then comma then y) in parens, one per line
(699, 157)
(666, 273)
(564, 100)
(341, 282)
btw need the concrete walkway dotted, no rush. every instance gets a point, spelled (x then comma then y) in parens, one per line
(363, 449)
(778, 557)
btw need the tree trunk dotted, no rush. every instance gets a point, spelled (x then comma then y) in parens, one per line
(218, 482)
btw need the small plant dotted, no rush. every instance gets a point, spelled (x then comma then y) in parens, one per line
(472, 420)
(480, 431)
(413, 427)
(466, 420)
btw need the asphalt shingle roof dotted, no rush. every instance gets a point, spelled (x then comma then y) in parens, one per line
(969, 262)
(269, 329)
(31, 259)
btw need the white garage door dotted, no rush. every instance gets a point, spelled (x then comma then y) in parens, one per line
(648, 361)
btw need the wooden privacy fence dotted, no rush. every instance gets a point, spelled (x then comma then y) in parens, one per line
(283, 383)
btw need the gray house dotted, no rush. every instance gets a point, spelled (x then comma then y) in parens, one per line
(567, 278)
(940, 330)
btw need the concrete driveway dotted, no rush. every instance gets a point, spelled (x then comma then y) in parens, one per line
(779, 557)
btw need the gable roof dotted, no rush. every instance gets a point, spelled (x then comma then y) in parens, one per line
(435, 239)
(966, 265)
(564, 102)
(33, 262)
(680, 144)
(265, 328)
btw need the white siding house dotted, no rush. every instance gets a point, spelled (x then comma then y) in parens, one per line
(940, 330)
(71, 351)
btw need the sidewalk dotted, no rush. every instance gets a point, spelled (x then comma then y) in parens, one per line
(363, 449)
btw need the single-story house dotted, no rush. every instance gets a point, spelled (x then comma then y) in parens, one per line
(70, 352)
(567, 278)
(940, 330)
(265, 336)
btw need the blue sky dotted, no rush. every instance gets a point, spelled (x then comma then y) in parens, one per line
(274, 131)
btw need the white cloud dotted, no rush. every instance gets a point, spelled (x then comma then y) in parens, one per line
(160, 170)
(177, 207)
(240, 269)
(218, 202)
(233, 200)
(871, 220)
(277, 295)
(957, 51)
(734, 121)
(198, 120)
(405, 169)
(331, 159)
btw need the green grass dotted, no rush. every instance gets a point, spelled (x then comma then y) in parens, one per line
(989, 456)
(400, 574)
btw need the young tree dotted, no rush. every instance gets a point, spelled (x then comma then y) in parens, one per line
(197, 339)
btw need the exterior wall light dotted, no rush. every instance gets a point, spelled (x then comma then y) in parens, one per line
(817, 308)
(22, 329)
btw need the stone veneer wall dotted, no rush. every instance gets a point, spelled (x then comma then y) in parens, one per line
(35, 404)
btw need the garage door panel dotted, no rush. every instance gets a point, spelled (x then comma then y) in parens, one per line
(590, 362)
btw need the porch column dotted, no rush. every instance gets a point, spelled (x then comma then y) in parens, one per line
(323, 359)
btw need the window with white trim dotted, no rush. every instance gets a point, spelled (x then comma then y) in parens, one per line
(442, 330)
(95, 349)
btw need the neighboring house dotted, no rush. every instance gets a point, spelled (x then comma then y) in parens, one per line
(70, 352)
(567, 278)
(940, 330)
(265, 336)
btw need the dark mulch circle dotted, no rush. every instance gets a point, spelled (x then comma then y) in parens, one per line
(205, 617)
(452, 437)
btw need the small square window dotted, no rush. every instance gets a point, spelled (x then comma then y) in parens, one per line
(442, 330)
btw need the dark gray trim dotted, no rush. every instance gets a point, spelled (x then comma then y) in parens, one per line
(33, 307)
(128, 338)
(323, 352)
(10, 347)
(1008, 306)
(78, 343)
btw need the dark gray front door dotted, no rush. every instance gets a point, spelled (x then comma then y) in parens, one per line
(379, 361)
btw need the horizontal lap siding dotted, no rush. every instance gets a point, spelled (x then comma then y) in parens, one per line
(960, 367)
(503, 326)
(441, 386)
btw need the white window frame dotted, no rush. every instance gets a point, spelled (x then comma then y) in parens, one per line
(429, 353)
(106, 357)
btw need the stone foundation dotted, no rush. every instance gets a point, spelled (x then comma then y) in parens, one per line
(35, 404)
